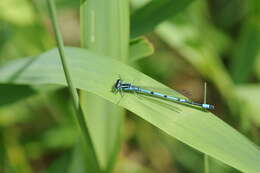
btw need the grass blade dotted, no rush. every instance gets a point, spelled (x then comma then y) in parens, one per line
(146, 18)
(105, 30)
(92, 161)
(199, 129)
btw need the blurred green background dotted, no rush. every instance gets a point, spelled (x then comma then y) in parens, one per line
(215, 41)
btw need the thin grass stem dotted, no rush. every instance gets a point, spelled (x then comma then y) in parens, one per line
(206, 163)
(73, 91)
(206, 158)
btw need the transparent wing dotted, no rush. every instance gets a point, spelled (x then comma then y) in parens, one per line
(166, 91)
(164, 101)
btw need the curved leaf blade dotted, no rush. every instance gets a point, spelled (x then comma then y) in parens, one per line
(140, 48)
(97, 74)
(146, 18)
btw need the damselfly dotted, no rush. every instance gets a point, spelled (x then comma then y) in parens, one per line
(120, 86)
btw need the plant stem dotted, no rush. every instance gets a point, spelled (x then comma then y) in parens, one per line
(59, 40)
(206, 158)
(73, 91)
(206, 163)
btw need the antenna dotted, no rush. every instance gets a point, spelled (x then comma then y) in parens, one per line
(206, 157)
(205, 93)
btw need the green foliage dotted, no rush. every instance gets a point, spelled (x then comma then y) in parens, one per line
(189, 42)
(13, 93)
(140, 48)
(191, 126)
(251, 101)
(107, 36)
(146, 18)
(246, 52)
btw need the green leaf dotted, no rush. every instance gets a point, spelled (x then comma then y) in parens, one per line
(245, 52)
(140, 48)
(251, 101)
(13, 93)
(108, 35)
(146, 18)
(96, 74)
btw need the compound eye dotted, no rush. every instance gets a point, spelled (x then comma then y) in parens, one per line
(211, 107)
(118, 83)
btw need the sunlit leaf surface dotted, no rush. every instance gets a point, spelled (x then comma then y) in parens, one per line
(97, 74)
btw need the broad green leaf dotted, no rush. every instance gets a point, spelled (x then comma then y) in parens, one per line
(140, 48)
(104, 30)
(147, 17)
(96, 74)
(13, 93)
